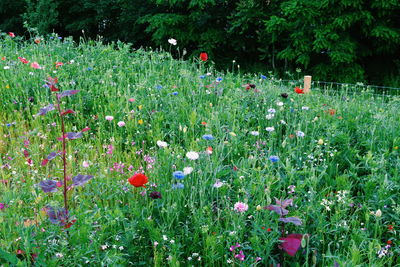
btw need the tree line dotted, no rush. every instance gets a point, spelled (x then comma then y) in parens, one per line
(333, 40)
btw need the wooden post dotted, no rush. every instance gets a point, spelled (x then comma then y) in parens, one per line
(307, 84)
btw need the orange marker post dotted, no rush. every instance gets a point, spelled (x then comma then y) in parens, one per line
(307, 84)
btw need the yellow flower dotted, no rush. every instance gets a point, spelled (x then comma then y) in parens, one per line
(140, 107)
(258, 208)
(396, 147)
(7, 86)
(320, 141)
(140, 121)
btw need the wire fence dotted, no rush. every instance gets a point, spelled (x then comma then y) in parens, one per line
(341, 88)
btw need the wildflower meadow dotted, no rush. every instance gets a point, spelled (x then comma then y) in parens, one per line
(112, 156)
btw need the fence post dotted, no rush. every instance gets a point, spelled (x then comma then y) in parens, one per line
(307, 84)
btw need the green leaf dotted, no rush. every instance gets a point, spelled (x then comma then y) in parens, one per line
(9, 257)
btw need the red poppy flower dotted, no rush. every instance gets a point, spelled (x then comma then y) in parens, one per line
(203, 56)
(11, 34)
(390, 227)
(59, 64)
(298, 90)
(389, 242)
(138, 180)
(37, 41)
(332, 111)
(23, 60)
(3, 58)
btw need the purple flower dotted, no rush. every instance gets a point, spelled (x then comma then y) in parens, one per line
(2, 206)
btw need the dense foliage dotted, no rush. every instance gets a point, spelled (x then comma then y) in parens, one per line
(339, 40)
(238, 170)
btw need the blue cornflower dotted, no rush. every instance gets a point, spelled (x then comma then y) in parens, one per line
(202, 77)
(274, 158)
(178, 186)
(175, 93)
(89, 69)
(208, 137)
(179, 175)
(263, 77)
(158, 87)
(8, 124)
(218, 79)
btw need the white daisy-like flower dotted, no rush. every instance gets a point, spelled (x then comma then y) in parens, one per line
(270, 129)
(280, 104)
(172, 41)
(255, 133)
(271, 110)
(192, 155)
(187, 170)
(305, 108)
(162, 144)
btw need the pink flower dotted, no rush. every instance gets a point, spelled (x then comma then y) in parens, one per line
(35, 65)
(109, 118)
(11, 34)
(131, 100)
(2, 206)
(121, 124)
(240, 256)
(241, 207)
(85, 164)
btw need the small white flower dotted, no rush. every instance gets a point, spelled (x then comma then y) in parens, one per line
(6, 67)
(165, 237)
(155, 243)
(255, 133)
(283, 122)
(121, 248)
(305, 108)
(162, 144)
(59, 255)
(172, 241)
(192, 155)
(271, 110)
(270, 116)
(172, 41)
(218, 184)
(280, 104)
(270, 129)
(104, 247)
(300, 134)
(187, 170)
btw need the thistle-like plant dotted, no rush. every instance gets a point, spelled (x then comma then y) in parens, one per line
(61, 215)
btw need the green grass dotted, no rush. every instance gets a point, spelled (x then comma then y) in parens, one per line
(355, 169)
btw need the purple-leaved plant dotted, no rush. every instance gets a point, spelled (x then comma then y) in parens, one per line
(292, 242)
(61, 215)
